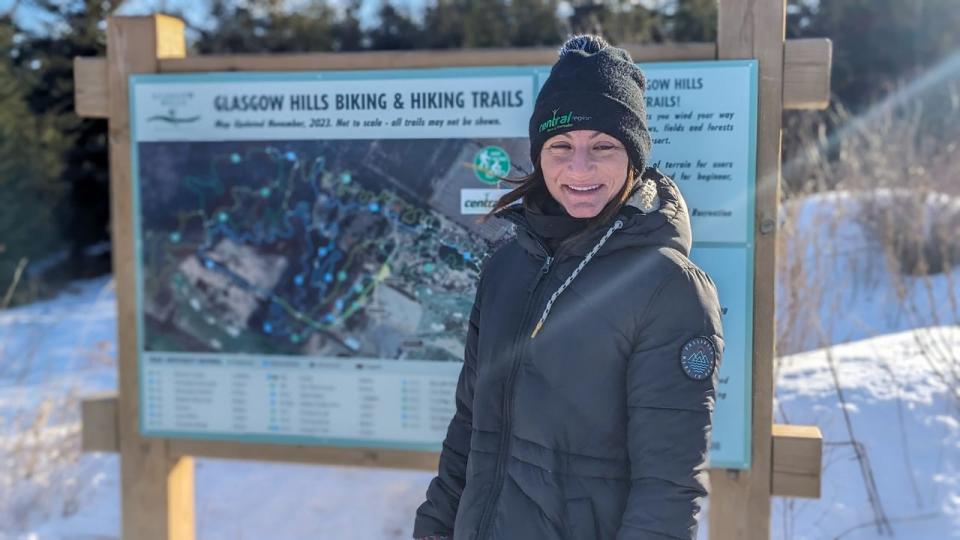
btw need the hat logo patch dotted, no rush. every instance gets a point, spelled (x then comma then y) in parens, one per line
(556, 122)
(698, 358)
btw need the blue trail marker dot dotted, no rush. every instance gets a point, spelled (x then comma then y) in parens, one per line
(291, 156)
(467, 256)
(341, 276)
(223, 216)
(322, 252)
(328, 277)
(345, 177)
(175, 237)
(267, 327)
(374, 207)
(265, 192)
(209, 263)
(298, 279)
(235, 158)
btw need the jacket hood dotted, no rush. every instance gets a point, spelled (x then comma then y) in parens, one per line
(655, 215)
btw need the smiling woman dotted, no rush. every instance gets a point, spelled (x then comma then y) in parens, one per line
(593, 422)
(583, 170)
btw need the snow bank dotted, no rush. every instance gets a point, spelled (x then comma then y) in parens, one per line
(835, 283)
(901, 396)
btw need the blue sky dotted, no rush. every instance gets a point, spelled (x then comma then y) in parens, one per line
(194, 10)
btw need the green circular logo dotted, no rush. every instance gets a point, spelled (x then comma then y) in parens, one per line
(491, 164)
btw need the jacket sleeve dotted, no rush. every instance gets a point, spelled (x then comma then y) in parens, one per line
(669, 412)
(436, 515)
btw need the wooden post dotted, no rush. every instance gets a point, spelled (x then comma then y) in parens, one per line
(740, 500)
(156, 488)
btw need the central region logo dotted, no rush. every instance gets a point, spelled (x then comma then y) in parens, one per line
(556, 122)
(491, 164)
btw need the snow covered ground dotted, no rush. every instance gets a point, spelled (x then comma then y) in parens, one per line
(834, 281)
(895, 394)
(901, 395)
(53, 352)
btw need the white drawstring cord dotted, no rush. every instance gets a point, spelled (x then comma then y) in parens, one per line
(618, 224)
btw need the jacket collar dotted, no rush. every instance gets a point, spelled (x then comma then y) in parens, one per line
(654, 215)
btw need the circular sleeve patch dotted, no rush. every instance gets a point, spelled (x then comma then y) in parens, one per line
(698, 358)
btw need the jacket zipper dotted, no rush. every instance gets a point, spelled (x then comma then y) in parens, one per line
(486, 516)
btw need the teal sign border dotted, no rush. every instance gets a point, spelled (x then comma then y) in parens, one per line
(538, 75)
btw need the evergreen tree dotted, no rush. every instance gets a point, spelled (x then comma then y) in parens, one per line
(269, 26)
(534, 22)
(694, 20)
(619, 21)
(347, 34)
(486, 24)
(29, 166)
(45, 60)
(444, 22)
(877, 43)
(395, 30)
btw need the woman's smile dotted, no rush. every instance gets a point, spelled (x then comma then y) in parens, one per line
(584, 189)
(583, 198)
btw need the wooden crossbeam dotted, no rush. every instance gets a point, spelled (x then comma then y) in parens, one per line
(797, 450)
(806, 73)
(797, 457)
(335, 61)
(806, 67)
(99, 431)
(90, 96)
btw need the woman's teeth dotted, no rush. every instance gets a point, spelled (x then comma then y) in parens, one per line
(584, 188)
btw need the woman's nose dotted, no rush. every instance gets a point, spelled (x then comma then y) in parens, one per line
(580, 162)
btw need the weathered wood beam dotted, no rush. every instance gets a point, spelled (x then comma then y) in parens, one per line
(797, 461)
(806, 73)
(806, 67)
(90, 96)
(334, 61)
(98, 421)
(797, 450)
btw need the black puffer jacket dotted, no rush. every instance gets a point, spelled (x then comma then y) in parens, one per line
(594, 428)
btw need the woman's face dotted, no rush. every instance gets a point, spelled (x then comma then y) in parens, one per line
(583, 170)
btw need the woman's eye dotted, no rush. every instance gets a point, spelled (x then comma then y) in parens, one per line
(604, 147)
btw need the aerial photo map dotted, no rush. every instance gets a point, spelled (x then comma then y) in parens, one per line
(329, 248)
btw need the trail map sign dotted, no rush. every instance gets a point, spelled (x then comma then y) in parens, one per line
(307, 243)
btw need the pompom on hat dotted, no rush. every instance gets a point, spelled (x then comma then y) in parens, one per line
(595, 86)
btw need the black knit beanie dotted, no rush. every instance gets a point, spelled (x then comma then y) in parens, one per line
(593, 86)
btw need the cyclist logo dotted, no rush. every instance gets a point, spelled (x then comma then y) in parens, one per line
(491, 164)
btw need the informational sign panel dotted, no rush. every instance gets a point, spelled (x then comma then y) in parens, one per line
(308, 244)
(703, 123)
